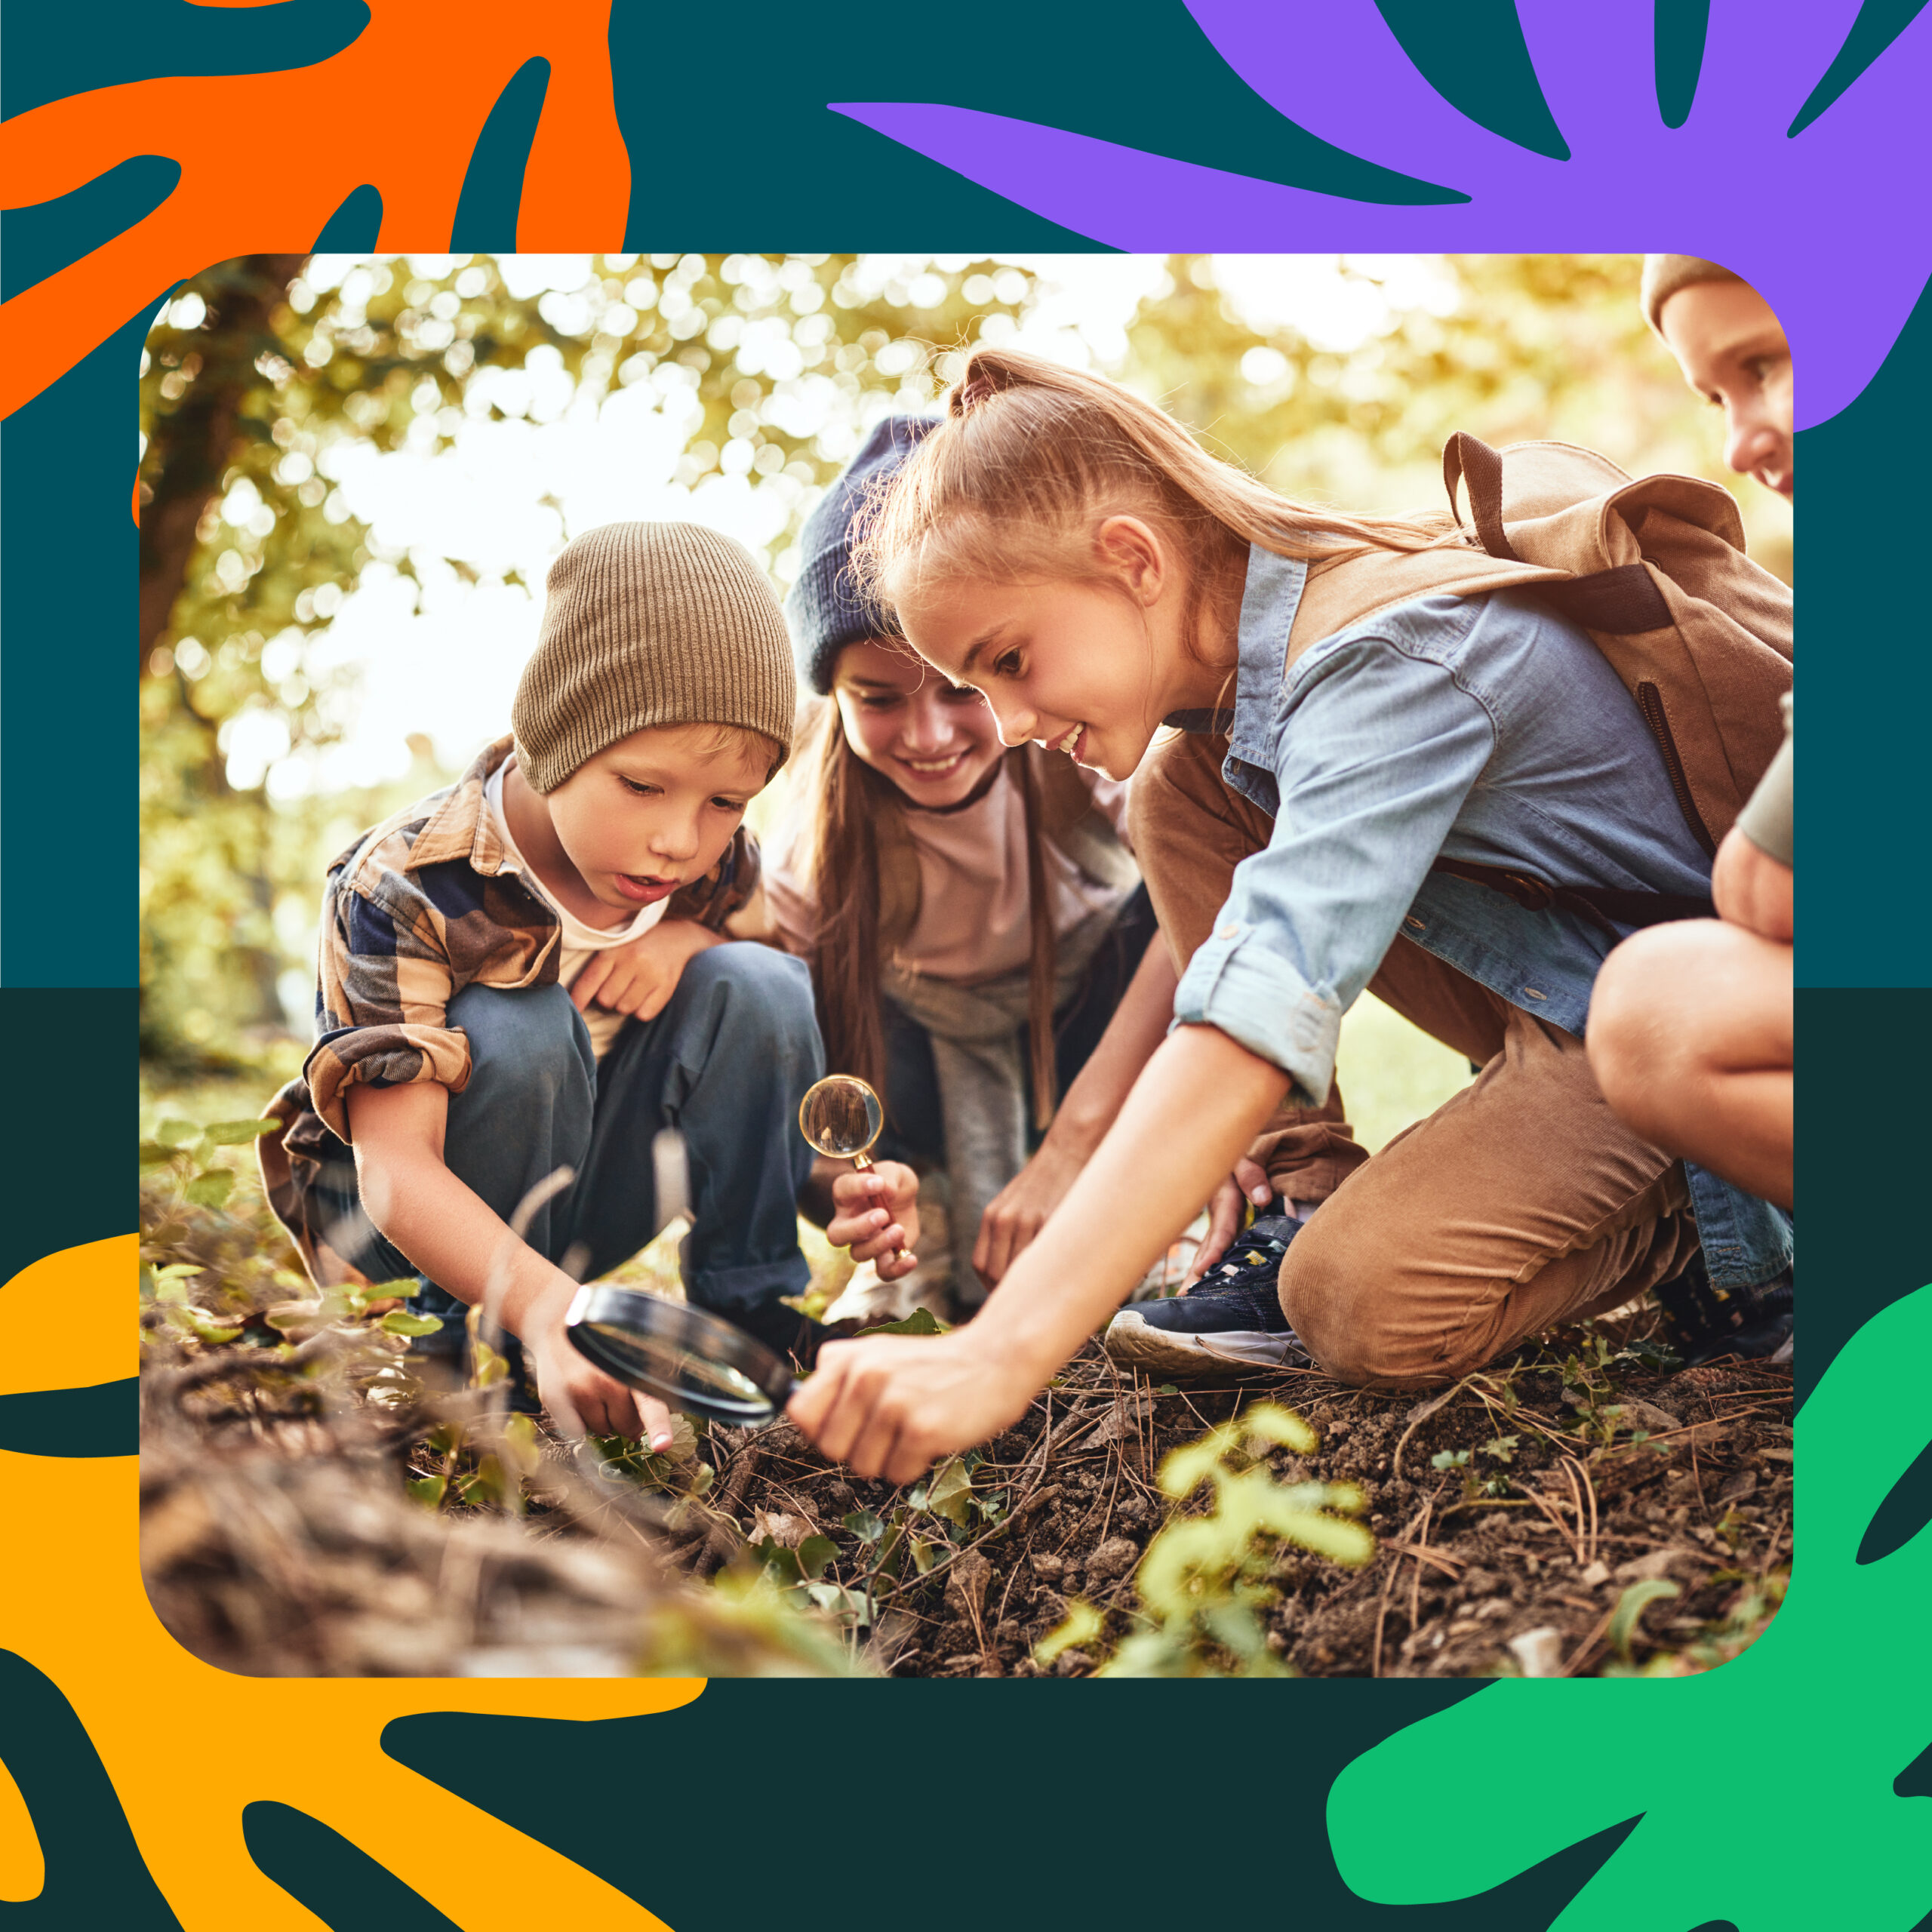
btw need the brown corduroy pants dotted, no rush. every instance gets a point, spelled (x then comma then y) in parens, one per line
(1521, 1202)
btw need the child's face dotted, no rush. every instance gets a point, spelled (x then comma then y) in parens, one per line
(934, 739)
(1733, 352)
(1077, 666)
(655, 810)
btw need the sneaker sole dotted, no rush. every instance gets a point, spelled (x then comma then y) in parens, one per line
(1135, 1343)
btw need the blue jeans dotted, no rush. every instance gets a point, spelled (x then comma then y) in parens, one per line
(726, 1063)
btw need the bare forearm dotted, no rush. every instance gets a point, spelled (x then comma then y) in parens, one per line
(1133, 1036)
(457, 1239)
(1197, 1105)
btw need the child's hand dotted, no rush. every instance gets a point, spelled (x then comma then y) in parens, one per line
(639, 979)
(1751, 889)
(1226, 1212)
(573, 1390)
(875, 1213)
(1019, 1210)
(888, 1405)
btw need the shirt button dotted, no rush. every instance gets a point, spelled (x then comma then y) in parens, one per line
(1413, 924)
(1531, 992)
(1229, 930)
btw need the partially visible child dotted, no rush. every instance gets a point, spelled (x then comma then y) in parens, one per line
(531, 970)
(978, 935)
(1389, 775)
(1693, 1024)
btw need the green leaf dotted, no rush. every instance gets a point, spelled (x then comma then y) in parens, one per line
(198, 1323)
(949, 1494)
(1630, 1607)
(156, 1153)
(1168, 1388)
(865, 1526)
(1273, 1423)
(429, 1490)
(177, 1132)
(210, 1188)
(170, 1284)
(924, 1554)
(239, 1132)
(1449, 1459)
(1500, 1448)
(1082, 1624)
(400, 1322)
(523, 1447)
(921, 1321)
(813, 1554)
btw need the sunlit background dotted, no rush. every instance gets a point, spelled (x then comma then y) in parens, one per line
(356, 471)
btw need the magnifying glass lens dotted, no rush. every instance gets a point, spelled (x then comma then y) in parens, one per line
(672, 1366)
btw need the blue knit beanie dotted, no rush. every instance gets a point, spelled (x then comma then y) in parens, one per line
(825, 611)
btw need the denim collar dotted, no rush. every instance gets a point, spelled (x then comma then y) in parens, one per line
(1269, 599)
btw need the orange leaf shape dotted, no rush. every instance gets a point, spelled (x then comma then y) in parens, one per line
(231, 200)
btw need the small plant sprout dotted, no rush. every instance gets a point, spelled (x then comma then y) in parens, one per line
(1205, 1579)
(188, 1151)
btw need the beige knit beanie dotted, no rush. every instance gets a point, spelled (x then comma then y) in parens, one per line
(651, 623)
(1665, 275)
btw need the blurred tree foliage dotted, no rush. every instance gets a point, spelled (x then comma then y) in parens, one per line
(264, 376)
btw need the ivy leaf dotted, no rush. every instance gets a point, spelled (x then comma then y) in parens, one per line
(210, 1188)
(921, 1321)
(865, 1526)
(522, 1447)
(813, 1554)
(400, 1322)
(950, 1493)
(429, 1490)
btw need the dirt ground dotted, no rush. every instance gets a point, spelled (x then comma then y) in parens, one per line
(1516, 1568)
(312, 1503)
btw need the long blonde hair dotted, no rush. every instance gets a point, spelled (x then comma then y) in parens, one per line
(1032, 456)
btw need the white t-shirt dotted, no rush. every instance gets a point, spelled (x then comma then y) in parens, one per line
(578, 941)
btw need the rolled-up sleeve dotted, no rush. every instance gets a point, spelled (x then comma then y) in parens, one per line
(384, 990)
(1375, 752)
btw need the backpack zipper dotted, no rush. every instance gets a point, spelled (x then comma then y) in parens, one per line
(1650, 702)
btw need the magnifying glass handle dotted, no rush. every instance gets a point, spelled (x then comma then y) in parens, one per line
(864, 1163)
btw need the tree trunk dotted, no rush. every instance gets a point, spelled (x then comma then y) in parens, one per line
(193, 448)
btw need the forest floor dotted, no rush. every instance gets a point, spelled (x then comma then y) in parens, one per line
(315, 1502)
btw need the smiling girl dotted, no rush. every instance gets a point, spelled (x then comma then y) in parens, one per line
(978, 938)
(1359, 752)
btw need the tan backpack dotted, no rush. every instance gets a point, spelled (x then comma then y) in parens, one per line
(1654, 570)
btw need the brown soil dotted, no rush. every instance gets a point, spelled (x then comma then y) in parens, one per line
(1704, 1502)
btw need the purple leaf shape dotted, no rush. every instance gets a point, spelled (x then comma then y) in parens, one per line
(1730, 184)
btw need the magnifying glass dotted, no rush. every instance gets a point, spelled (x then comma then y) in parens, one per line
(841, 1117)
(693, 1360)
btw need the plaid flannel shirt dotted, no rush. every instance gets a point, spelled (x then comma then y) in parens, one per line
(426, 903)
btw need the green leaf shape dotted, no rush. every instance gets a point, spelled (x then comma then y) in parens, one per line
(177, 1132)
(198, 1323)
(169, 1284)
(158, 1153)
(921, 1321)
(1849, 1848)
(400, 1322)
(813, 1555)
(428, 1490)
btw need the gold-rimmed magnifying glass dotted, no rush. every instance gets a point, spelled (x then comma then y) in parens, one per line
(841, 1117)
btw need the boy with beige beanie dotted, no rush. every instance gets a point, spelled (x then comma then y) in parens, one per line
(531, 969)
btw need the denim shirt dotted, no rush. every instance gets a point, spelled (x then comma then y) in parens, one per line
(1484, 729)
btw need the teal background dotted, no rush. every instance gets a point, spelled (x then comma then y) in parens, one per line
(941, 1804)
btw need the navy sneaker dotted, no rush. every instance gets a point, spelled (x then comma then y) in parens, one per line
(1231, 1317)
(1702, 1322)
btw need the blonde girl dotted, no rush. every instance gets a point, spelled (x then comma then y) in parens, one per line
(975, 925)
(1331, 816)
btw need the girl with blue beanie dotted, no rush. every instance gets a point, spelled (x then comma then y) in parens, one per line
(976, 929)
